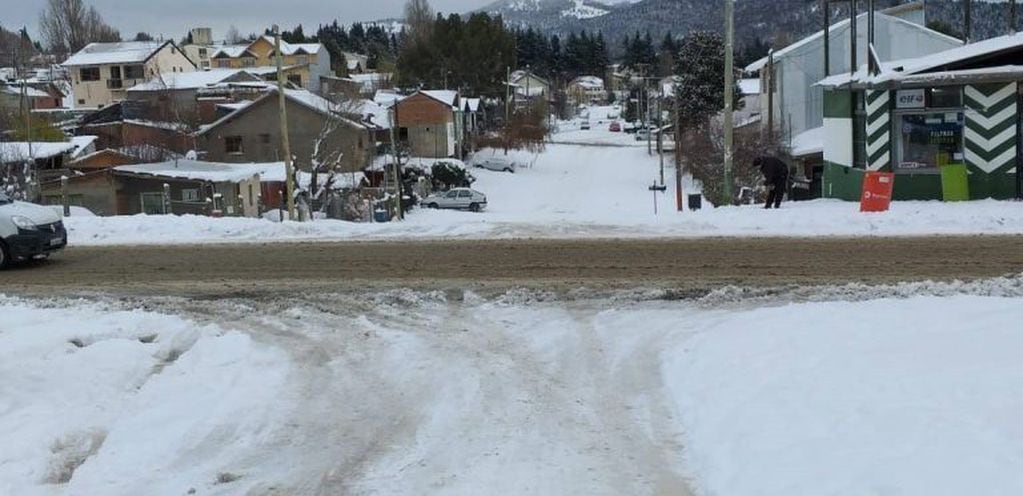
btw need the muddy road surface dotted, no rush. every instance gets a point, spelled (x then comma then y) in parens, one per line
(690, 266)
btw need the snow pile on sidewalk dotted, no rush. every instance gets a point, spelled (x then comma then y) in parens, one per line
(105, 402)
(918, 396)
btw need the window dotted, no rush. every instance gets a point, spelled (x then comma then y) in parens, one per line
(224, 64)
(190, 195)
(264, 139)
(115, 72)
(202, 53)
(929, 140)
(295, 79)
(452, 194)
(134, 72)
(302, 60)
(233, 145)
(152, 203)
(465, 194)
(89, 73)
(81, 101)
(248, 62)
(403, 134)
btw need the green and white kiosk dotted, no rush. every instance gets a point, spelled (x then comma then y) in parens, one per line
(947, 125)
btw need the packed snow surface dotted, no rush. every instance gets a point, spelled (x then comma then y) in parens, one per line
(408, 393)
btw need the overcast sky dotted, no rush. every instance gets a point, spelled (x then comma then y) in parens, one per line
(173, 18)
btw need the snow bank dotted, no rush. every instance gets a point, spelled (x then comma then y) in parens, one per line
(918, 396)
(125, 402)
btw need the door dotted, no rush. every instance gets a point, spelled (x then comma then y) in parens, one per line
(464, 198)
(152, 203)
(449, 200)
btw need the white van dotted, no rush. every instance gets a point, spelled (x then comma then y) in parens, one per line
(28, 231)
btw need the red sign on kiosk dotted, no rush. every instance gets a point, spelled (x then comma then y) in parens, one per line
(877, 191)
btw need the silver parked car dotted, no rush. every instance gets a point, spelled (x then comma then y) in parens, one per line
(499, 164)
(457, 198)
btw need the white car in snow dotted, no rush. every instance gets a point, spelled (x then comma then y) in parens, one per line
(498, 164)
(457, 199)
(28, 231)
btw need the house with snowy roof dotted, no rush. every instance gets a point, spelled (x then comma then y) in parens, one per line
(794, 106)
(320, 132)
(947, 124)
(303, 63)
(101, 73)
(586, 90)
(429, 123)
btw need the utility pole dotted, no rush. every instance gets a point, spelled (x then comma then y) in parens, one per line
(854, 6)
(729, 93)
(967, 19)
(827, 37)
(1012, 16)
(289, 167)
(507, 97)
(660, 133)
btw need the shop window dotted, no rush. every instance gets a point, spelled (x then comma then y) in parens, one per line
(89, 73)
(927, 141)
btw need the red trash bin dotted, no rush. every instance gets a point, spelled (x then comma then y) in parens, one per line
(877, 191)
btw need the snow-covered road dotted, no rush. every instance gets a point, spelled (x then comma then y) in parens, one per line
(910, 389)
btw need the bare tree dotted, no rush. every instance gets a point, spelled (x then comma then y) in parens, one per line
(233, 36)
(68, 25)
(419, 17)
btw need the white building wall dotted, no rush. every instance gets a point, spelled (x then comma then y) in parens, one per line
(800, 104)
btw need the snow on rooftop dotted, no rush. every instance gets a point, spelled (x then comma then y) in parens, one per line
(898, 70)
(375, 114)
(186, 80)
(808, 142)
(589, 82)
(235, 51)
(473, 104)
(21, 150)
(30, 92)
(448, 97)
(206, 171)
(115, 53)
(386, 98)
(82, 144)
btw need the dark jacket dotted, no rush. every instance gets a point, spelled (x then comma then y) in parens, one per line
(774, 170)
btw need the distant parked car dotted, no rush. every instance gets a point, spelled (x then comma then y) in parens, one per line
(642, 134)
(615, 127)
(585, 126)
(28, 231)
(499, 164)
(457, 199)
